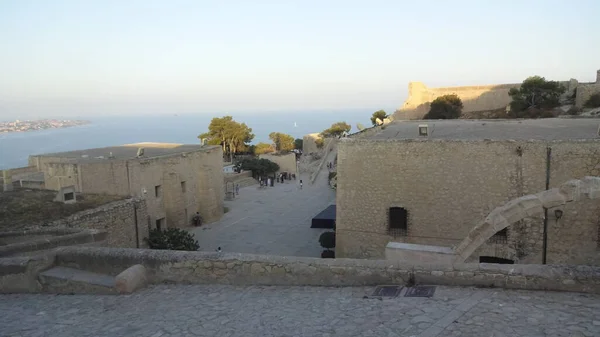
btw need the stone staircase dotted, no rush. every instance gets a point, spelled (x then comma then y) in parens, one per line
(67, 280)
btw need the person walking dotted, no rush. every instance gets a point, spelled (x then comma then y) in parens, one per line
(237, 189)
(300, 183)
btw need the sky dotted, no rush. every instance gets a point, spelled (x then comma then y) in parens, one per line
(89, 58)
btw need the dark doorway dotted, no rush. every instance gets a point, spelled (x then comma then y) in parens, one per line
(493, 259)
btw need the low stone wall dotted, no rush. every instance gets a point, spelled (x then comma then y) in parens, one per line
(19, 274)
(233, 177)
(117, 218)
(244, 269)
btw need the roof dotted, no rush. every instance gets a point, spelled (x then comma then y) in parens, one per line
(495, 129)
(128, 151)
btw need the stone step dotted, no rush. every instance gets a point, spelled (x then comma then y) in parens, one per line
(64, 280)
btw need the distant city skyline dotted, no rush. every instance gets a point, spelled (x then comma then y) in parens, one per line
(68, 58)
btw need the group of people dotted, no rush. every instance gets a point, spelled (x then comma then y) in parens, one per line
(280, 178)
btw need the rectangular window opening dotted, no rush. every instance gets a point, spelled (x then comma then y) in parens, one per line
(160, 223)
(183, 187)
(398, 221)
(69, 196)
(158, 191)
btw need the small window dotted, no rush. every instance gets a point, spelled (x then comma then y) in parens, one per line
(500, 237)
(398, 221)
(493, 259)
(183, 187)
(158, 191)
(160, 223)
(69, 196)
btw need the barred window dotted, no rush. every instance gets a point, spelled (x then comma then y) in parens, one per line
(500, 237)
(398, 221)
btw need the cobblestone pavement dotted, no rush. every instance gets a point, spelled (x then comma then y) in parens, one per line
(214, 310)
(274, 220)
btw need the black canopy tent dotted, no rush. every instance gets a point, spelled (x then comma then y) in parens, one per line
(325, 219)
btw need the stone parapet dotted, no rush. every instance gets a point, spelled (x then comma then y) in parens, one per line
(245, 269)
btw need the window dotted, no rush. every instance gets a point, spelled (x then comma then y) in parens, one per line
(500, 237)
(493, 259)
(69, 196)
(398, 221)
(158, 191)
(160, 223)
(183, 188)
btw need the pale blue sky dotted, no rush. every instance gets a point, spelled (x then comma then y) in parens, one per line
(65, 57)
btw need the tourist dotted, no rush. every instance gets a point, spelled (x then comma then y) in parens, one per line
(237, 189)
(197, 220)
(300, 183)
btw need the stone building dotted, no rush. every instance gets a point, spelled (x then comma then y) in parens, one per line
(175, 180)
(432, 189)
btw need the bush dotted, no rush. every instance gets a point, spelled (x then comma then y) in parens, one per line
(259, 167)
(331, 175)
(535, 92)
(593, 101)
(445, 107)
(327, 240)
(320, 142)
(172, 239)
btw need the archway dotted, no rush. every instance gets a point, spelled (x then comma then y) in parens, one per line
(523, 207)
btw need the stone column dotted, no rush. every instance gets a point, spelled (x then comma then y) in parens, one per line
(8, 186)
(598, 76)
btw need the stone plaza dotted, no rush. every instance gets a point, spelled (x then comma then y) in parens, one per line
(218, 310)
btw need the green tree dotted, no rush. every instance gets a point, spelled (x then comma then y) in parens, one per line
(535, 92)
(378, 114)
(336, 129)
(262, 148)
(259, 167)
(445, 107)
(319, 142)
(593, 101)
(282, 141)
(172, 239)
(298, 142)
(231, 135)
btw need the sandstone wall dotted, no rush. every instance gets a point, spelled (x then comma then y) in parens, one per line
(309, 143)
(245, 269)
(286, 162)
(585, 91)
(447, 187)
(117, 218)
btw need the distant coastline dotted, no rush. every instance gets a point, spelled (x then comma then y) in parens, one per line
(41, 124)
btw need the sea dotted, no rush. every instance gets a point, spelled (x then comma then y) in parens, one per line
(16, 147)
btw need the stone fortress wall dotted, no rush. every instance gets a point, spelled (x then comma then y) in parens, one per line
(309, 143)
(479, 98)
(286, 162)
(447, 187)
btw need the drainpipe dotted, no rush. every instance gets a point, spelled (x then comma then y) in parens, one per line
(545, 239)
(135, 220)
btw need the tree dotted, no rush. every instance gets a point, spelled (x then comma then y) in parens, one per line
(319, 142)
(593, 101)
(535, 92)
(327, 241)
(378, 114)
(262, 148)
(259, 167)
(336, 129)
(231, 135)
(172, 239)
(298, 143)
(282, 141)
(445, 107)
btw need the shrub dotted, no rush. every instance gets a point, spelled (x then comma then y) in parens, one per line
(380, 114)
(532, 113)
(327, 240)
(320, 142)
(535, 92)
(573, 111)
(445, 107)
(172, 239)
(331, 175)
(260, 167)
(593, 101)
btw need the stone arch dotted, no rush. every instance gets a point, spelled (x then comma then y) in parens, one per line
(523, 207)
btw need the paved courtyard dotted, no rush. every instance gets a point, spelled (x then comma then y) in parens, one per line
(215, 310)
(273, 220)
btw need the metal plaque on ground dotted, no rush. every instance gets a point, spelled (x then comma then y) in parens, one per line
(387, 291)
(420, 291)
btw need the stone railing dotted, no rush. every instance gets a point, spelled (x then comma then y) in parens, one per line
(244, 269)
(50, 238)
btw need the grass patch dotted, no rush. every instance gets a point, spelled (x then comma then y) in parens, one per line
(25, 208)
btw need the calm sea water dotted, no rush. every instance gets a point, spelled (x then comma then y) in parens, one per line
(15, 148)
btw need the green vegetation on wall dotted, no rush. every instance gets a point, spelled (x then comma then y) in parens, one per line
(445, 107)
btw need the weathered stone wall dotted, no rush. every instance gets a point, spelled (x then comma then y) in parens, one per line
(309, 143)
(448, 187)
(286, 162)
(244, 269)
(477, 98)
(234, 177)
(117, 218)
